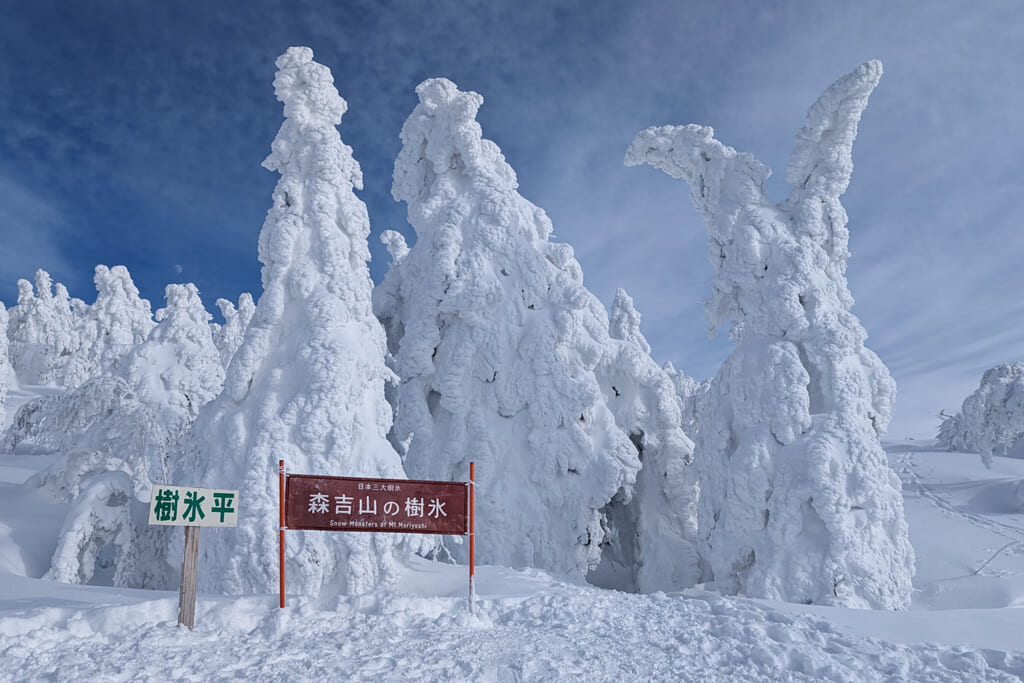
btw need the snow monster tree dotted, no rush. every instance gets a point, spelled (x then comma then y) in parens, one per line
(653, 541)
(991, 419)
(798, 501)
(42, 331)
(496, 341)
(307, 383)
(113, 325)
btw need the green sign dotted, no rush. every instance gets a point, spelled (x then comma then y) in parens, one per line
(191, 506)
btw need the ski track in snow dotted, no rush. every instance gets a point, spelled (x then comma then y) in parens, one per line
(906, 468)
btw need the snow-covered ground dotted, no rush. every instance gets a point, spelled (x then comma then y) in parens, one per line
(963, 624)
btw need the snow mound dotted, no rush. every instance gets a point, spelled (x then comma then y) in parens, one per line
(107, 513)
(991, 419)
(111, 447)
(797, 498)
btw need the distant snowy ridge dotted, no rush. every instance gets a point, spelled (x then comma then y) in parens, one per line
(797, 499)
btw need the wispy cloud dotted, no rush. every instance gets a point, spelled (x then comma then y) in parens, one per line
(149, 120)
(33, 230)
(936, 249)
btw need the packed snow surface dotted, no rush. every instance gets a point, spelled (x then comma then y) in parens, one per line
(528, 625)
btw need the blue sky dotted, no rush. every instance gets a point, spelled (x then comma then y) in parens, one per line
(132, 133)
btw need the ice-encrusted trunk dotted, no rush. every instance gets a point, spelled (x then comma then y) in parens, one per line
(307, 383)
(496, 342)
(798, 501)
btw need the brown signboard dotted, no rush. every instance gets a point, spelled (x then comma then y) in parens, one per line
(392, 505)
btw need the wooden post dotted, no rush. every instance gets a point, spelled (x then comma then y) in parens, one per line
(280, 540)
(472, 537)
(187, 597)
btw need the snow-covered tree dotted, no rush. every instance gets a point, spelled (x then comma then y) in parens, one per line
(5, 367)
(229, 335)
(99, 426)
(108, 329)
(496, 341)
(177, 370)
(115, 434)
(952, 435)
(307, 383)
(111, 449)
(991, 419)
(689, 392)
(653, 544)
(42, 331)
(797, 498)
(108, 514)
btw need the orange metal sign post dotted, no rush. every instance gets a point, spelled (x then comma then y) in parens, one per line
(472, 538)
(281, 527)
(402, 506)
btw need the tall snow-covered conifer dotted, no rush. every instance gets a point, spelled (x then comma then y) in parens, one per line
(653, 546)
(797, 498)
(496, 341)
(307, 383)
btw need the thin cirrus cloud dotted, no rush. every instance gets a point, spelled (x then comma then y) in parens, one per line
(935, 250)
(33, 231)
